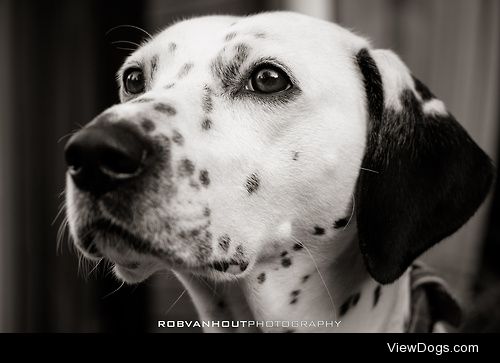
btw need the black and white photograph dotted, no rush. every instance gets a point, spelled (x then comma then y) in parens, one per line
(250, 166)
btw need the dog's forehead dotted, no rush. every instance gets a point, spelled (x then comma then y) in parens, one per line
(204, 36)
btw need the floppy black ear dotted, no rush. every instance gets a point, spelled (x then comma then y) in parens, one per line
(423, 176)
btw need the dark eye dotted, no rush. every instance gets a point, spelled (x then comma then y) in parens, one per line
(133, 81)
(268, 79)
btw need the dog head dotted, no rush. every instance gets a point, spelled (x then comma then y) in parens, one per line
(236, 134)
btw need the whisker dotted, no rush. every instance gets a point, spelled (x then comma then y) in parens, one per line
(62, 207)
(320, 276)
(352, 212)
(69, 134)
(370, 170)
(175, 302)
(62, 194)
(95, 267)
(126, 42)
(214, 291)
(61, 232)
(129, 26)
(114, 291)
(123, 48)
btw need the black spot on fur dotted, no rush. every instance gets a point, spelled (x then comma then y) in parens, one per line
(220, 266)
(204, 178)
(154, 66)
(165, 108)
(318, 231)
(261, 278)
(286, 262)
(344, 308)
(295, 156)
(177, 138)
(147, 125)
(305, 278)
(376, 295)
(206, 124)
(206, 212)
(341, 223)
(185, 168)
(230, 36)
(252, 183)
(355, 298)
(297, 247)
(169, 85)
(243, 265)
(207, 103)
(224, 242)
(185, 69)
(284, 253)
(239, 251)
(221, 304)
(422, 90)
(172, 47)
(350, 302)
(227, 72)
(294, 296)
(142, 100)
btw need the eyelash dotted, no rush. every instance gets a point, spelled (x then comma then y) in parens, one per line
(247, 74)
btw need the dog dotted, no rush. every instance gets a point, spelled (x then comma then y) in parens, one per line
(284, 169)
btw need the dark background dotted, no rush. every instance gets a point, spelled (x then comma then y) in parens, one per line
(57, 70)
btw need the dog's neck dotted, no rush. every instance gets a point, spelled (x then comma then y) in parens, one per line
(305, 290)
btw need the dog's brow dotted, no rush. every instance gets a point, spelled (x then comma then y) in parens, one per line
(228, 71)
(153, 66)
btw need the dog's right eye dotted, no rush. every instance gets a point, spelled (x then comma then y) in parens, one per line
(133, 81)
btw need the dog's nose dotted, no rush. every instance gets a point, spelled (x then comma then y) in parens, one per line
(103, 156)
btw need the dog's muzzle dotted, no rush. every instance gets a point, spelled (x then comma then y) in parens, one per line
(104, 156)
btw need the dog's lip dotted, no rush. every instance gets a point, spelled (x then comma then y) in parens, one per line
(126, 239)
(144, 248)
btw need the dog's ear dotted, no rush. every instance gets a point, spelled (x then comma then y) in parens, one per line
(422, 175)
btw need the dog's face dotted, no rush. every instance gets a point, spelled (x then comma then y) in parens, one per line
(233, 135)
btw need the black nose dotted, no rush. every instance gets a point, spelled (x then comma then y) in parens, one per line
(103, 156)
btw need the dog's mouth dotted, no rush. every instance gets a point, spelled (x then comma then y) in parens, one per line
(133, 255)
(103, 235)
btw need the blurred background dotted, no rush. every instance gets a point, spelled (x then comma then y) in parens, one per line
(57, 66)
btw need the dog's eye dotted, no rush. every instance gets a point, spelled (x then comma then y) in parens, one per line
(133, 80)
(268, 79)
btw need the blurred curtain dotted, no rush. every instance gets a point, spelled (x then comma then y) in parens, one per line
(57, 73)
(453, 47)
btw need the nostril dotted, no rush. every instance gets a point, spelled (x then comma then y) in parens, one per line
(99, 157)
(118, 164)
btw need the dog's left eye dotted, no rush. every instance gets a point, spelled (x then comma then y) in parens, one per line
(268, 79)
(133, 81)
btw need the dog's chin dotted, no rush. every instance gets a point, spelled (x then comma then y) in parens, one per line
(133, 275)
